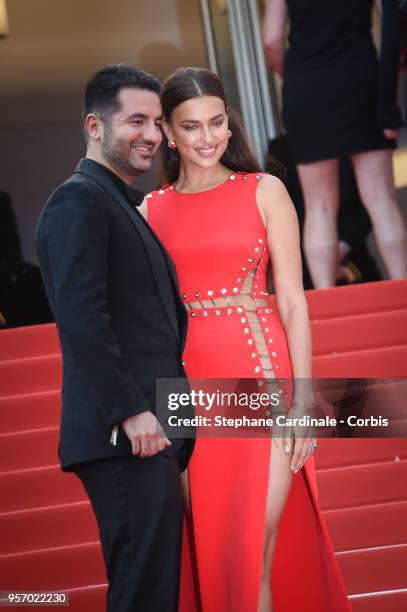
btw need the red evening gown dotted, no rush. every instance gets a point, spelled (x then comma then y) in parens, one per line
(218, 242)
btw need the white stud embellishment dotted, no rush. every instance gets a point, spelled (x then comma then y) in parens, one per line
(205, 314)
(246, 330)
(210, 292)
(217, 312)
(223, 291)
(243, 319)
(232, 177)
(240, 310)
(149, 195)
(235, 290)
(250, 342)
(161, 192)
(274, 354)
(257, 369)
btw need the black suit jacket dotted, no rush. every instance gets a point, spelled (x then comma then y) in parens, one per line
(113, 291)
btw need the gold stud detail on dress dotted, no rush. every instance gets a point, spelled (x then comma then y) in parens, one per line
(197, 294)
(210, 292)
(244, 177)
(184, 295)
(193, 314)
(149, 195)
(251, 260)
(161, 192)
(261, 241)
(217, 312)
(256, 249)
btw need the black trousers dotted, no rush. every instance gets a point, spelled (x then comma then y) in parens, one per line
(138, 507)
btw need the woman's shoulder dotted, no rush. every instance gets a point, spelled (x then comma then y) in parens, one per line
(156, 194)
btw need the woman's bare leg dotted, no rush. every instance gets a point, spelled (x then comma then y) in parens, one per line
(320, 186)
(374, 176)
(280, 479)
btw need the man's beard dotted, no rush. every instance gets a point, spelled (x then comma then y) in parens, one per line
(118, 153)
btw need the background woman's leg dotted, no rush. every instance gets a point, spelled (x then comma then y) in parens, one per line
(320, 186)
(374, 175)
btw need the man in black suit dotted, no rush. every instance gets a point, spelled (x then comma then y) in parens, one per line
(122, 325)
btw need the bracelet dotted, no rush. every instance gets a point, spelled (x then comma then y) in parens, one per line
(303, 405)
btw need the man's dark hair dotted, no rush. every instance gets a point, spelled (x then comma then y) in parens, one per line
(102, 89)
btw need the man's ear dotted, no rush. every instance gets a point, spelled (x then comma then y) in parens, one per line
(94, 126)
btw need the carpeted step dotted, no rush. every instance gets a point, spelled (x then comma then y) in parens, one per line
(28, 449)
(388, 601)
(386, 362)
(53, 568)
(359, 485)
(31, 375)
(353, 451)
(88, 599)
(368, 526)
(48, 527)
(38, 487)
(359, 332)
(30, 341)
(357, 299)
(374, 569)
(30, 411)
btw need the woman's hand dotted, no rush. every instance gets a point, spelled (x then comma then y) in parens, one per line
(298, 439)
(391, 134)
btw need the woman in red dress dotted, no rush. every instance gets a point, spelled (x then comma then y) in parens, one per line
(260, 540)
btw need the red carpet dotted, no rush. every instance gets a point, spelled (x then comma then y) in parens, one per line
(48, 536)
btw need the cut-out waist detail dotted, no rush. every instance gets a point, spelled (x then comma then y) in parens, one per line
(245, 301)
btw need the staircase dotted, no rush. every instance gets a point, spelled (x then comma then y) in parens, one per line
(48, 536)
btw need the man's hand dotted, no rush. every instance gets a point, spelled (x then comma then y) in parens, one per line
(145, 433)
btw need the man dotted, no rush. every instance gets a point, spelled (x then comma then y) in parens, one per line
(122, 325)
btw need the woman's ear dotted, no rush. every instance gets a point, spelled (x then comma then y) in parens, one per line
(167, 130)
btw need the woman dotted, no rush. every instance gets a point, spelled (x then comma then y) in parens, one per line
(339, 100)
(221, 220)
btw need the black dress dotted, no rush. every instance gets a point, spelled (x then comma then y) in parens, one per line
(338, 96)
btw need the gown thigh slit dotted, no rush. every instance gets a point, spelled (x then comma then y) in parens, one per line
(218, 243)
